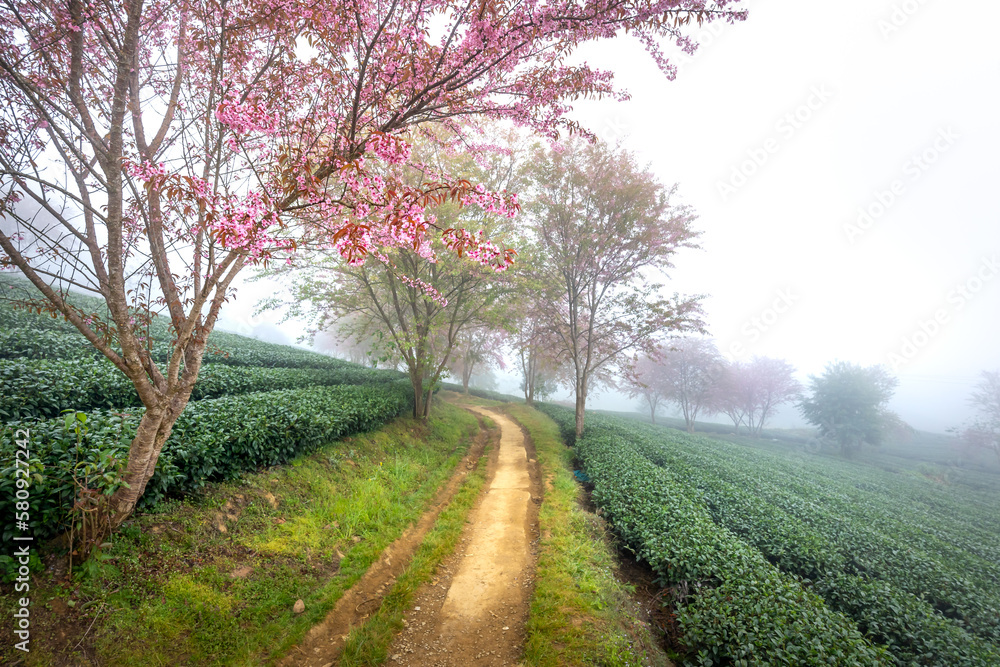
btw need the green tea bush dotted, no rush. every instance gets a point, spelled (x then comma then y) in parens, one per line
(733, 607)
(44, 344)
(873, 548)
(223, 348)
(40, 389)
(26, 334)
(886, 588)
(214, 439)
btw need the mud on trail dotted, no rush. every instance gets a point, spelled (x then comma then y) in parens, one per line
(474, 610)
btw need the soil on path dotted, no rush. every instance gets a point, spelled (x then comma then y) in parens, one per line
(324, 642)
(474, 611)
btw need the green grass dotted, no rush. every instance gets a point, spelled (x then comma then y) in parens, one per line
(166, 586)
(581, 614)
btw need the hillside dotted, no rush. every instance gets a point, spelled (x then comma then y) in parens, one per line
(278, 498)
(770, 555)
(295, 512)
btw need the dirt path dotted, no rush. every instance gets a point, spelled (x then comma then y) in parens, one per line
(474, 612)
(324, 642)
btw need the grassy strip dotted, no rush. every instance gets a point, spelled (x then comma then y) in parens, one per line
(461, 399)
(369, 644)
(176, 589)
(581, 614)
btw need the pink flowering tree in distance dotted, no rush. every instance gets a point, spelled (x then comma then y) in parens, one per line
(478, 349)
(409, 309)
(749, 392)
(691, 370)
(151, 150)
(606, 230)
(645, 381)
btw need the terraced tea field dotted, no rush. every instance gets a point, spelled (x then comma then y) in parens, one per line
(256, 404)
(774, 558)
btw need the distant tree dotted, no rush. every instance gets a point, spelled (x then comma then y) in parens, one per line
(984, 432)
(750, 392)
(848, 403)
(485, 379)
(369, 302)
(478, 349)
(536, 361)
(532, 338)
(410, 309)
(728, 394)
(342, 341)
(604, 227)
(645, 381)
(692, 369)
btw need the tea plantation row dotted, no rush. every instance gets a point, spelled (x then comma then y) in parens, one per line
(264, 404)
(43, 388)
(223, 348)
(765, 571)
(214, 439)
(891, 587)
(28, 334)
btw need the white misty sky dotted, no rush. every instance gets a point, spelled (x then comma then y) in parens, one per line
(887, 99)
(900, 99)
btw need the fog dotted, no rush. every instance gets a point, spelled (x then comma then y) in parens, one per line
(844, 166)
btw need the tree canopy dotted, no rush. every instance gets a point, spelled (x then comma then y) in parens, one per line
(849, 405)
(150, 150)
(606, 231)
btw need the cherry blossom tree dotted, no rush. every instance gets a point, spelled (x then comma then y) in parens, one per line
(605, 228)
(532, 339)
(150, 150)
(434, 317)
(369, 302)
(477, 348)
(772, 383)
(692, 369)
(749, 392)
(730, 391)
(645, 380)
(531, 343)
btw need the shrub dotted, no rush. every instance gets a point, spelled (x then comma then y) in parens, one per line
(44, 388)
(214, 439)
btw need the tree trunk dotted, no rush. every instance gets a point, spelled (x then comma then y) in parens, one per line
(529, 389)
(417, 383)
(154, 429)
(466, 375)
(427, 403)
(652, 414)
(581, 403)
